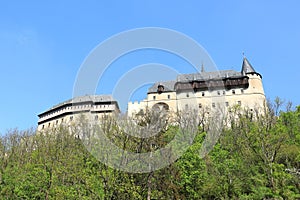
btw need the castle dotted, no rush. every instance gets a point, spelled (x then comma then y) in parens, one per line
(199, 90)
(205, 90)
(67, 112)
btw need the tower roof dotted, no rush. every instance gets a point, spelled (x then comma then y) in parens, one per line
(247, 67)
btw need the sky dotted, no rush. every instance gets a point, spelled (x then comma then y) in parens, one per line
(44, 43)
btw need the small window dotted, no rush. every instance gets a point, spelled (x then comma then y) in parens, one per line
(56, 121)
(160, 88)
(154, 97)
(187, 95)
(169, 96)
(242, 91)
(226, 103)
(71, 118)
(239, 102)
(233, 91)
(203, 94)
(200, 105)
(219, 93)
(213, 105)
(223, 92)
(96, 117)
(43, 126)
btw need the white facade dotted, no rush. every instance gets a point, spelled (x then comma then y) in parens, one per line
(206, 90)
(68, 112)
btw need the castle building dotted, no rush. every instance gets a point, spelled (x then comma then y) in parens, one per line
(205, 90)
(66, 113)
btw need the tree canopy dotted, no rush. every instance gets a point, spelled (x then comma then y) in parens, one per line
(253, 159)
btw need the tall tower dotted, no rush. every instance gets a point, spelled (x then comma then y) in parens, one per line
(255, 84)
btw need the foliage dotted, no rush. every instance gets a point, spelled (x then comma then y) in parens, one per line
(255, 158)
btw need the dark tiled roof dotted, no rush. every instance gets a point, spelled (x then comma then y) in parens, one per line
(203, 76)
(86, 98)
(247, 67)
(168, 86)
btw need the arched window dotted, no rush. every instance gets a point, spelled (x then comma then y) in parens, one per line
(160, 107)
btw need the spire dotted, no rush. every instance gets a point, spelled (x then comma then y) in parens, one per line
(202, 68)
(247, 67)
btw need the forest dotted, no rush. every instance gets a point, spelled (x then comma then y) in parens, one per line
(255, 157)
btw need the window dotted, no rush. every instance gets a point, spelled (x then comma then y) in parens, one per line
(56, 122)
(96, 117)
(219, 93)
(187, 95)
(223, 92)
(43, 127)
(213, 105)
(233, 91)
(226, 103)
(154, 97)
(160, 88)
(242, 91)
(169, 97)
(203, 94)
(200, 105)
(71, 118)
(239, 102)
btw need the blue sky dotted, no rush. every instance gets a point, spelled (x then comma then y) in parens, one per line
(43, 44)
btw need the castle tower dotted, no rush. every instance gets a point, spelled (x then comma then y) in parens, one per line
(255, 83)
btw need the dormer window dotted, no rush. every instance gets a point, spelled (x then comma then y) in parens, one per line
(194, 85)
(160, 88)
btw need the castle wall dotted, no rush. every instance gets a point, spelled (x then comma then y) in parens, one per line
(69, 114)
(252, 97)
